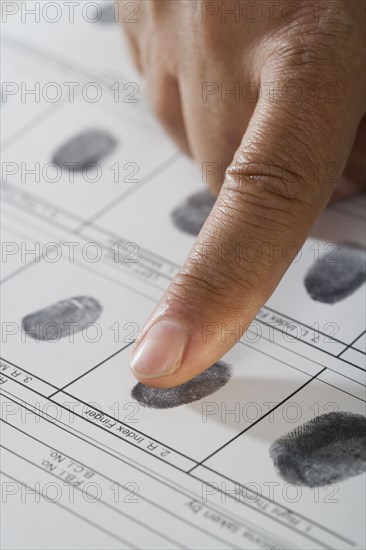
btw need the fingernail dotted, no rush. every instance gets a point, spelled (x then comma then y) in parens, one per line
(161, 351)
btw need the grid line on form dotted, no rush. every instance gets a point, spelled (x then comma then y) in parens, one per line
(155, 504)
(218, 473)
(258, 420)
(71, 511)
(90, 370)
(351, 345)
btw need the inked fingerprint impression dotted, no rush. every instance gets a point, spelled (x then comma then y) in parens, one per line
(206, 383)
(88, 147)
(331, 281)
(328, 449)
(192, 213)
(62, 318)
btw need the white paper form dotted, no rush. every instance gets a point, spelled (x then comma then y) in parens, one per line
(83, 463)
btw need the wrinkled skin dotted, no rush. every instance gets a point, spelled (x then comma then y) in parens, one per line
(274, 160)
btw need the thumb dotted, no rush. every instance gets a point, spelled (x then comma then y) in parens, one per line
(267, 205)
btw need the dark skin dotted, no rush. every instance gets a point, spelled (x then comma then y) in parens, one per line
(284, 154)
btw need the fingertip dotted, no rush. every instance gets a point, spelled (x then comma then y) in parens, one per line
(161, 351)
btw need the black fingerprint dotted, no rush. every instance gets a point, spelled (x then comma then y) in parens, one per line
(328, 449)
(61, 319)
(84, 149)
(334, 278)
(204, 384)
(192, 213)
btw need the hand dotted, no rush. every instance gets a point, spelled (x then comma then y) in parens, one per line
(293, 128)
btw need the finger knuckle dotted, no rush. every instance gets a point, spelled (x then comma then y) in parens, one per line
(271, 185)
(211, 287)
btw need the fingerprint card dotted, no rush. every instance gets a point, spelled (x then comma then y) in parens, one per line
(70, 321)
(85, 156)
(238, 389)
(174, 206)
(263, 450)
(310, 452)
